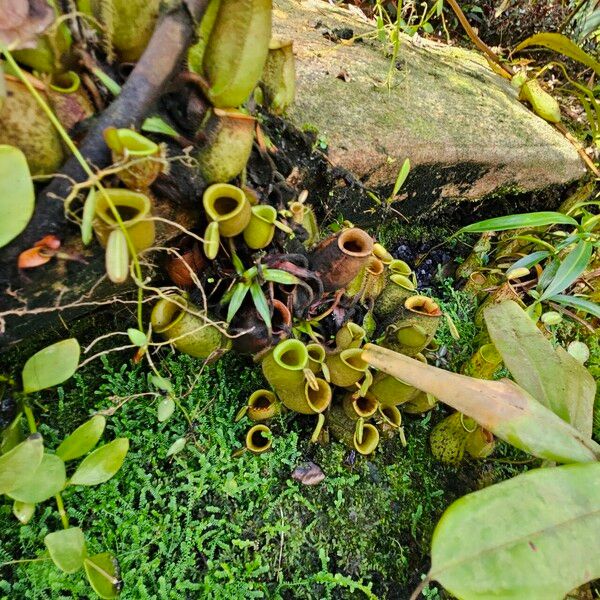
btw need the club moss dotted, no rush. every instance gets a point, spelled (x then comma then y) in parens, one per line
(205, 523)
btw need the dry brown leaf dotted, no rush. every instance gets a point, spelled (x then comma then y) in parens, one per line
(21, 21)
(308, 473)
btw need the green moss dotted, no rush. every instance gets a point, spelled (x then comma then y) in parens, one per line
(207, 524)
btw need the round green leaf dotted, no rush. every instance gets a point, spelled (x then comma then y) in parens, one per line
(165, 409)
(17, 465)
(43, 483)
(83, 439)
(23, 511)
(534, 536)
(103, 573)
(17, 197)
(101, 464)
(51, 365)
(66, 548)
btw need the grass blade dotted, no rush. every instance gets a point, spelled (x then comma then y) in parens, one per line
(536, 219)
(570, 269)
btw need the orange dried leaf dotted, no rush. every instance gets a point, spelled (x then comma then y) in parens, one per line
(33, 257)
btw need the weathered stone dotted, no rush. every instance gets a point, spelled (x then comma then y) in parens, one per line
(461, 125)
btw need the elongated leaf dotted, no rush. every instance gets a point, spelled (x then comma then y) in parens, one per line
(562, 44)
(51, 365)
(402, 175)
(530, 260)
(82, 440)
(102, 571)
(237, 298)
(534, 536)
(501, 407)
(279, 276)
(43, 483)
(158, 125)
(66, 548)
(260, 301)
(176, 447)
(87, 218)
(17, 197)
(161, 383)
(165, 409)
(570, 269)
(536, 219)
(102, 464)
(579, 303)
(538, 368)
(17, 465)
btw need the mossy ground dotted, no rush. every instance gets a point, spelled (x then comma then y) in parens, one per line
(207, 524)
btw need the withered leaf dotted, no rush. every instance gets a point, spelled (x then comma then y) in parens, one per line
(21, 21)
(308, 473)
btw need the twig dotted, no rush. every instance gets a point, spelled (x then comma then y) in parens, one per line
(479, 43)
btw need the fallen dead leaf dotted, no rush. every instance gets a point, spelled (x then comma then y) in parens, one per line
(308, 473)
(21, 21)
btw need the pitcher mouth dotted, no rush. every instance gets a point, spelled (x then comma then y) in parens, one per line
(355, 242)
(316, 352)
(131, 206)
(168, 312)
(257, 439)
(223, 201)
(319, 399)
(291, 354)
(365, 406)
(352, 358)
(370, 439)
(423, 306)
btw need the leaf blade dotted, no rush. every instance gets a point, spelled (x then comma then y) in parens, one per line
(40, 370)
(102, 464)
(66, 548)
(17, 464)
(537, 219)
(570, 269)
(82, 440)
(45, 481)
(562, 44)
(17, 196)
(510, 525)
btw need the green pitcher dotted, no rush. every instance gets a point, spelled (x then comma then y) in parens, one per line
(228, 206)
(187, 327)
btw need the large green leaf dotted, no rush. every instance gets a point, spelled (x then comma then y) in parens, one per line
(102, 571)
(533, 537)
(83, 439)
(501, 407)
(562, 44)
(570, 269)
(17, 197)
(18, 464)
(66, 548)
(101, 464)
(559, 383)
(51, 365)
(536, 219)
(43, 483)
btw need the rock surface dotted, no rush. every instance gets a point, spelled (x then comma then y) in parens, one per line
(461, 125)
